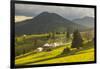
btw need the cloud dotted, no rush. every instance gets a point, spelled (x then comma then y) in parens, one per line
(66, 12)
(21, 18)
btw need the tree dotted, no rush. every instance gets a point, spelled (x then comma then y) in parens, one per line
(66, 50)
(53, 36)
(88, 35)
(49, 35)
(67, 35)
(77, 41)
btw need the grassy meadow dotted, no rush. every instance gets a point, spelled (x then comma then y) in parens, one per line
(27, 53)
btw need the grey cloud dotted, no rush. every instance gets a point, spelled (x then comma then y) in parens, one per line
(67, 12)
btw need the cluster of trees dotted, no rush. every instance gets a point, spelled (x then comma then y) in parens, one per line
(26, 45)
(52, 35)
(77, 41)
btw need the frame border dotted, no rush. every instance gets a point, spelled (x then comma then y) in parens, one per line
(12, 33)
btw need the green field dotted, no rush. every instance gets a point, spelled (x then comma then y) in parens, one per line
(26, 45)
(87, 56)
(55, 56)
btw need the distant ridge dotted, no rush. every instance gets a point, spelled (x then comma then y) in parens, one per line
(85, 21)
(46, 22)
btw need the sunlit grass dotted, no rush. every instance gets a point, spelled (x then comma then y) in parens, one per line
(31, 58)
(39, 56)
(43, 57)
(88, 56)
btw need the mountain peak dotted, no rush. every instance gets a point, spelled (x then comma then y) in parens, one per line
(48, 16)
(46, 22)
(49, 13)
(46, 12)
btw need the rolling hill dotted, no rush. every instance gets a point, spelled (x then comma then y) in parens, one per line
(85, 21)
(46, 22)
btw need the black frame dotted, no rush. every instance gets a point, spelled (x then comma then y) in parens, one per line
(12, 51)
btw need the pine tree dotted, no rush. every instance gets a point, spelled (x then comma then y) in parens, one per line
(88, 35)
(67, 35)
(49, 35)
(77, 40)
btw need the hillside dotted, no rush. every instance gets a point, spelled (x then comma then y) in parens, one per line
(85, 21)
(55, 56)
(46, 22)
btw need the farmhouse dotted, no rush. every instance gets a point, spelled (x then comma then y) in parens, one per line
(53, 44)
(39, 49)
(48, 47)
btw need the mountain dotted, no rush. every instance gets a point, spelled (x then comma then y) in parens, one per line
(86, 21)
(46, 22)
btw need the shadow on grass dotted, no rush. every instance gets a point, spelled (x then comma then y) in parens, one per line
(86, 46)
(25, 55)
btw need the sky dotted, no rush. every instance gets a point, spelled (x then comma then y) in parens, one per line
(30, 10)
